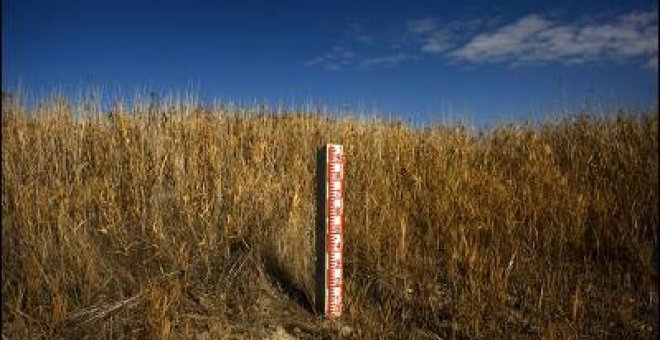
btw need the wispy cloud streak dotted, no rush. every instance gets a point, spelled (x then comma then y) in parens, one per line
(386, 61)
(338, 58)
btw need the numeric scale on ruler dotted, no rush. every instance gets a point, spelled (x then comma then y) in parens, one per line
(330, 231)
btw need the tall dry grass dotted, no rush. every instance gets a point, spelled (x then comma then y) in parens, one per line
(153, 223)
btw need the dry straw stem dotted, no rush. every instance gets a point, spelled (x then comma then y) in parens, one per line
(521, 231)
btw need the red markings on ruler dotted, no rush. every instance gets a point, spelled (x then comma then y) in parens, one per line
(334, 230)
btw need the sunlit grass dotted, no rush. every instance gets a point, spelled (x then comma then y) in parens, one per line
(156, 223)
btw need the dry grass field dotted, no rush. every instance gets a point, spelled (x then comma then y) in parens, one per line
(197, 223)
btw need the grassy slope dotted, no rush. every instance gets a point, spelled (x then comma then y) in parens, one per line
(203, 224)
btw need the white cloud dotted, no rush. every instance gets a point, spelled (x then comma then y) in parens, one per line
(425, 25)
(389, 60)
(428, 35)
(531, 39)
(535, 39)
(435, 43)
(338, 58)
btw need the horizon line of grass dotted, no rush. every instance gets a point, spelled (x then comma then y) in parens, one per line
(92, 103)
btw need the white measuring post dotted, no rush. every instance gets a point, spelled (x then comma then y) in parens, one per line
(331, 218)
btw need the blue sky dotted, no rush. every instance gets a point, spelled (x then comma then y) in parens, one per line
(422, 61)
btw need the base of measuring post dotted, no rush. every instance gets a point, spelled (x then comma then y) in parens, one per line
(330, 230)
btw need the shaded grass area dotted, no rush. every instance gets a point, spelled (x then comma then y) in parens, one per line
(153, 224)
